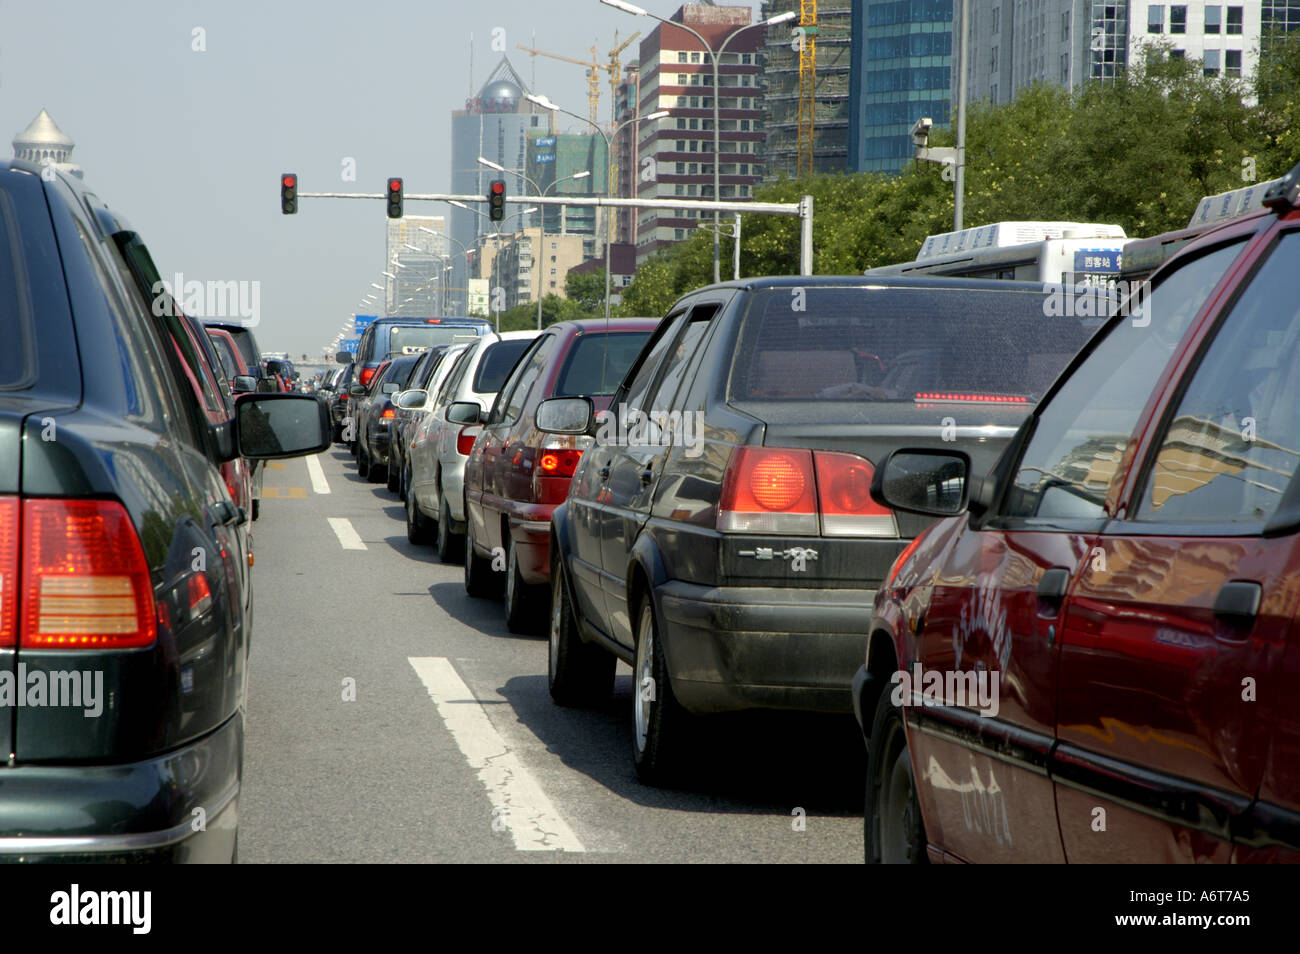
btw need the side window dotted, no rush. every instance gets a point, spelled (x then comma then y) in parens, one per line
(531, 368)
(453, 378)
(1068, 464)
(679, 359)
(508, 387)
(639, 387)
(1231, 447)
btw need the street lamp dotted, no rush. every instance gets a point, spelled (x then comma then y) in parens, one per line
(714, 56)
(585, 174)
(545, 103)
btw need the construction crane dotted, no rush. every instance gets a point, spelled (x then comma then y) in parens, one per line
(806, 121)
(593, 75)
(615, 69)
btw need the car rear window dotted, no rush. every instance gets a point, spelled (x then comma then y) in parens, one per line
(18, 355)
(497, 362)
(994, 346)
(407, 339)
(229, 362)
(597, 363)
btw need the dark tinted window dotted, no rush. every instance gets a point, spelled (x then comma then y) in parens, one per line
(404, 337)
(597, 363)
(18, 353)
(902, 344)
(229, 363)
(494, 367)
(639, 386)
(399, 372)
(676, 363)
(244, 342)
(521, 380)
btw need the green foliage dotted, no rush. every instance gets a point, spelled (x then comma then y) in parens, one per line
(587, 290)
(1138, 152)
(554, 308)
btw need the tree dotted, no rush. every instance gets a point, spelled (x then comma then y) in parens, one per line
(587, 290)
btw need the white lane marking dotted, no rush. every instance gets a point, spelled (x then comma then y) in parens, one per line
(348, 537)
(318, 481)
(517, 799)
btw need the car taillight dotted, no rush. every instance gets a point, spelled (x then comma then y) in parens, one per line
(465, 440)
(768, 490)
(86, 583)
(844, 494)
(966, 397)
(783, 490)
(366, 375)
(8, 571)
(558, 463)
(388, 414)
(343, 397)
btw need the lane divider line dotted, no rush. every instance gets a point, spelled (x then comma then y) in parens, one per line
(349, 539)
(517, 799)
(318, 482)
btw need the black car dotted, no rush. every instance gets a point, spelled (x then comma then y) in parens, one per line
(405, 419)
(387, 338)
(373, 418)
(340, 403)
(118, 538)
(720, 536)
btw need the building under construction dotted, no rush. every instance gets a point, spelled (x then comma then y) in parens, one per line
(806, 98)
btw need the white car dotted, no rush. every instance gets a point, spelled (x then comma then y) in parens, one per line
(436, 486)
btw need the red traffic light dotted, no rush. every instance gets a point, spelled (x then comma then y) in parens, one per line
(290, 182)
(394, 185)
(498, 187)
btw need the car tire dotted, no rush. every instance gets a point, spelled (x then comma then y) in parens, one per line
(378, 473)
(337, 435)
(480, 582)
(524, 602)
(363, 464)
(417, 527)
(577, 673)
(661, 728)
(393, 478)
(257, 509)
(893, 831)
(451, 545)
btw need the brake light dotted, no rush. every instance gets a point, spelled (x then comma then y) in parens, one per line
(8, 571)
(559, 463)
(388, 413)
(366, 375)
(768, 490)
(465, 440)
(199, 595)
(433, 321)
(960, 397)
(844, 494)
(343, 397)
(87, 583)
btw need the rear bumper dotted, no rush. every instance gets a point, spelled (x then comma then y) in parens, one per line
(530, 528)
(730, 648)
(452, 472)
(142, 811)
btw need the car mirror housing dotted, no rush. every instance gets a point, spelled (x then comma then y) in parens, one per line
(357, 390)
(464, 412)
(243, 384)
(343, 357)
(415, 397)
(275, 426)
(923, 480)
(565, 415)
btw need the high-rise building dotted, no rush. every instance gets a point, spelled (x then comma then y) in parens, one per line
(1224, 37)
(675, 155)
(781, 91)
(530, 262)
(495, 125)
(626, 168)
(417, 252)
(553, 161)
(902, 70)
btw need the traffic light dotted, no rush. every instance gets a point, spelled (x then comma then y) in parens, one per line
(288, 193)
(497, 200)
(394, 198)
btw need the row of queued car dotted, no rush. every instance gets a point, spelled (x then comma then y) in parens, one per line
(125, 538)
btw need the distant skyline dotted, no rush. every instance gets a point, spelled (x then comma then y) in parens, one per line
(188, 144)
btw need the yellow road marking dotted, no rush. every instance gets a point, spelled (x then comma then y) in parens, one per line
(281, 493)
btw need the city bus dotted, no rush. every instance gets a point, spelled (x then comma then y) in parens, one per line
(1067, 253)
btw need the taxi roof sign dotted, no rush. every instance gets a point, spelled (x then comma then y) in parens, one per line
(1214, 209)
(1009, 234)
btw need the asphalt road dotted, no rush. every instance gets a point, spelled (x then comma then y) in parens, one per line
(392, 718)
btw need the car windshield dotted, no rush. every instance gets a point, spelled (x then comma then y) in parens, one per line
(497, 362)
(597, 363)
(405, 339)
(908, 345)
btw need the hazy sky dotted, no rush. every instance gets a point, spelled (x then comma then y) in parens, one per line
(188, 146)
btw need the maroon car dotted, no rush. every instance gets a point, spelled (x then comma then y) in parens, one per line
(1095, 659)
(516, 475)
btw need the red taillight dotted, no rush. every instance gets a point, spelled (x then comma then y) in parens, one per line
(198, 594)
(343, 397)
(559, 463)
(768, 490)
(465, 440)
(783, 490)
(86, 583)
(366, 375)
(844, 493)
(8, 571)
(966, 397)
(390, 413)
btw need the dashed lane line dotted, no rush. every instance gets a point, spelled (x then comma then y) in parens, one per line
(318, 482)
(348, 537)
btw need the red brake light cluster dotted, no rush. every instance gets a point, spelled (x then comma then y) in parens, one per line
(465, 440)
(87, 583)
(389, 413)
(783, 490)
(559, 463)
(8, 571)
(950, 397)
(366, 375)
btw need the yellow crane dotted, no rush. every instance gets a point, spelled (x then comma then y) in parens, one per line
(806, 121)
(593, 75)
(615, 68)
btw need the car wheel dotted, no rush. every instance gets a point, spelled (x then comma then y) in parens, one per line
(660, 726)
(451, 545)
(480, 581)
(363, 464)
(525, 612)
(394, 478)
(378, 472)
(577, 673)
(337, 436)
(893, 831)
(257, 509)
(417, 528)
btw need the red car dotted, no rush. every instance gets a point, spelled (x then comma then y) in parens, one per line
(1095, 658)
(516, 475)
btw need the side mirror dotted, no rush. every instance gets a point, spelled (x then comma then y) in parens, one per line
(566, 415)
(412, 398)
(274, 367)
(390, 387)
(243, 384)
(933, 483)
(358, 390)
(273, 426)
(343, 357)
(464, 412)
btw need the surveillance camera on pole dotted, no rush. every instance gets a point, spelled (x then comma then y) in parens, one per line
(921, 150)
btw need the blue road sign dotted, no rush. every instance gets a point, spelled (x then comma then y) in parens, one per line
(361, 322)
(349, 345)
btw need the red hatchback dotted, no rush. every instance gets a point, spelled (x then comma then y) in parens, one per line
(516, 475)
(1095, 659)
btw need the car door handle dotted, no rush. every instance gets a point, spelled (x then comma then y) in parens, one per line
(1238, 602)
(647, 475)
(604, 472)
(1053, 584)
(229, 515)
